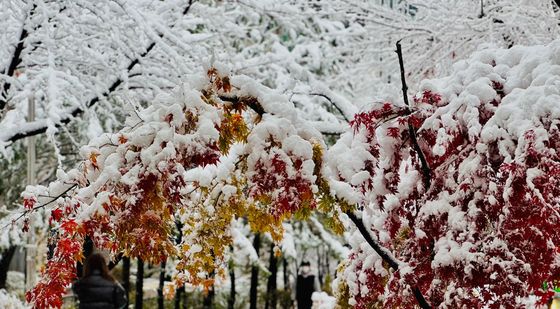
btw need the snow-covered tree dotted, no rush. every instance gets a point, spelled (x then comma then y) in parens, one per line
(87, 65)
(435, 34)
(454, 196)
(469, 211)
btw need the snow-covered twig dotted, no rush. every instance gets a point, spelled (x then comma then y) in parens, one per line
(426, 171)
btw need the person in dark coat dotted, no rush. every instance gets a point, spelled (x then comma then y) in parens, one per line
(305, 286)
(97, 289)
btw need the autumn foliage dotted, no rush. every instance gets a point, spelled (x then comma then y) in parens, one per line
(485, 233)
(482, 232)
(198, 159)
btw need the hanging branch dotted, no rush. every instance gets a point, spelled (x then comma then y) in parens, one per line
(333, 103)
(386, 256)
(426, 171)
(42, 127)
(383, 253)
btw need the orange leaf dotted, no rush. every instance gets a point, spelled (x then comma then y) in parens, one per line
(93, 159)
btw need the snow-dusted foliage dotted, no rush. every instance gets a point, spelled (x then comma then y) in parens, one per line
(459, 189)
(78, 58)
(479, 228)
(218, 148)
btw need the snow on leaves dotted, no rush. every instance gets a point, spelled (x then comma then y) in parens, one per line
(485, 233)
(197, 159)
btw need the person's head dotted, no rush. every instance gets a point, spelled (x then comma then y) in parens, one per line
(305, 267)
(96, 263)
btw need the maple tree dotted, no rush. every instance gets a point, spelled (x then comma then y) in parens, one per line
(445, 187)
(482, 232)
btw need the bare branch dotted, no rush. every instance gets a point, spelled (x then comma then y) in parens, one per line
(386, 256)
(426, 171)
(333, 104)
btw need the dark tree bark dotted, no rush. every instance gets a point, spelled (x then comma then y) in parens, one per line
(426, 171)
(271, 283)
(209, 298)
(287, 286)
(113, 264)
(181, 291)
(178, 295)
(7, 256)
(231, 299)
(126, 277)
(254, 275)
(139, 285)
(161, 284)
(320, 266)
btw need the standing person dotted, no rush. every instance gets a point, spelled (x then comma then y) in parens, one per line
(97, 289)
(305, 286)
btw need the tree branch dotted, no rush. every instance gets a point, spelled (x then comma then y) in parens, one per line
(386, 256)
(383, 253)
(42, 128)
(14, 62)
(426, 171)
(252, 102)
(333, 104)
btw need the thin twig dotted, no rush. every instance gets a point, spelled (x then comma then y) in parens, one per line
(386, 256)
(426, 171)
(333, 104)
(24, 213)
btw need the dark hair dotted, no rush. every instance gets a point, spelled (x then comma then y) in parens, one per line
(305, 263)
(96, 261)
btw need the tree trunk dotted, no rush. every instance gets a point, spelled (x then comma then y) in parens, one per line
(7, 256)
(208, 299)
(139, 284)
(181, 291)
(254, 275)
(271, 283)
(126, 277)
(287, 286)
(161, 284)
(231, 300)
(178, 296)
(319, 266)
(327, 262)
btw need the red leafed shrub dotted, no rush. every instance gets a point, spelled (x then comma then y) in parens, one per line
(485, 233)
